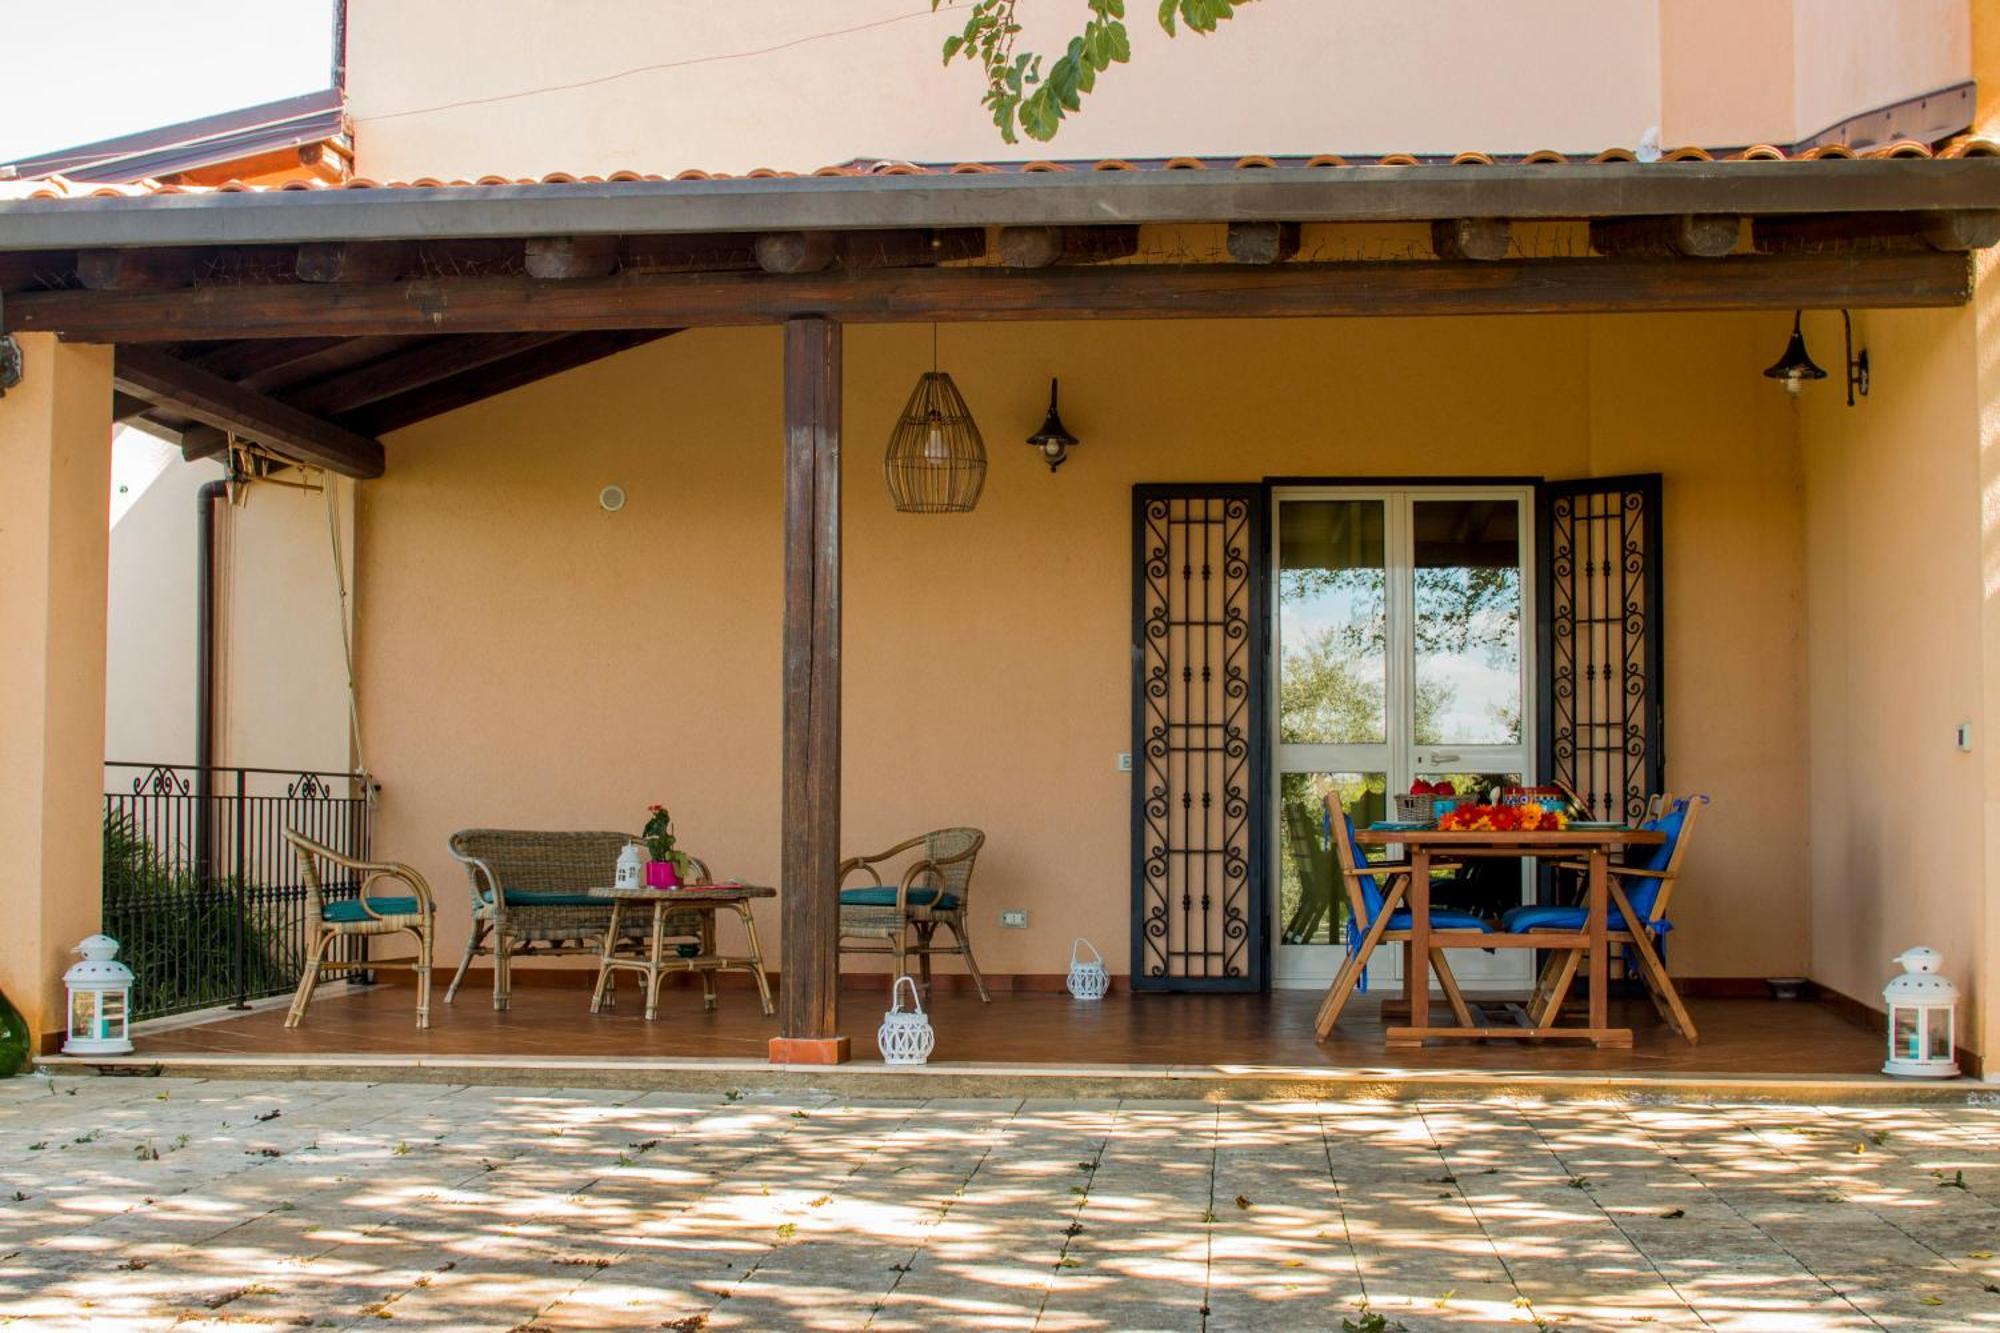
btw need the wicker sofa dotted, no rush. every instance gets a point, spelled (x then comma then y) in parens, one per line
(531, 899)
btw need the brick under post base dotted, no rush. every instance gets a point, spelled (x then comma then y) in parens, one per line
(809, 1051)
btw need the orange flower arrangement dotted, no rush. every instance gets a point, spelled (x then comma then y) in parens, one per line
(1529, 818)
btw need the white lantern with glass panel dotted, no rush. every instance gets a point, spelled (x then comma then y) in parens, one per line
(100, 1000)
(1922, 1018)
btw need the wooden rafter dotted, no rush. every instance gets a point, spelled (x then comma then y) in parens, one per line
(208, 398)
(486, 381)
(1276, 291)
(424, 364)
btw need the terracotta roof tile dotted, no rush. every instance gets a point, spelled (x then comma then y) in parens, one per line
(59, 187)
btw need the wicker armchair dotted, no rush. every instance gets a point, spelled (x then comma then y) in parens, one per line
(531, 898)
(932, 891)
(332, 920)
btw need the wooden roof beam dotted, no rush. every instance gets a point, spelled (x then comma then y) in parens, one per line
(1042, 247)
(1952, 232)
(141, 270)
(513, 372)
(571, 256)
(424, 364)
(355, 261)
(1262, 242)
(1484, 239)
(714, 252)
(34, 268)
(150, 374)
(1674, 235)
(983, 294)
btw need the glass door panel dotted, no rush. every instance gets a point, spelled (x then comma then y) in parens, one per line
(1401, 654)
(1312, 902)
(1332, 584)
(1467, 611)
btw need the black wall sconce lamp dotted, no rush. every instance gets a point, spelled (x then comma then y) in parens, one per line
(1053, 439)
(1795, 368)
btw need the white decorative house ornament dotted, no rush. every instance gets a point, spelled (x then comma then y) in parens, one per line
(1088, 979)
(905, 1036)
(631, 868)
(100, 1000)
(1922, 1018)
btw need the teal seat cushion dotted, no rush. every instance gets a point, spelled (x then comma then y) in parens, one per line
(1523, 919)
(1442, 918)
(884, 895)
(350, 912)
(553, 898)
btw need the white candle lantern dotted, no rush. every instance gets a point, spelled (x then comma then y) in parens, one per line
(1922, 1018)
(905, 1036)
(1088, 979)
(100, 1000)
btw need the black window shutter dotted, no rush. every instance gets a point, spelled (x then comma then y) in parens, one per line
(1200, 622)
(1603, 705)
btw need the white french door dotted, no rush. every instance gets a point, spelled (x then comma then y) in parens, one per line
(1401, 622)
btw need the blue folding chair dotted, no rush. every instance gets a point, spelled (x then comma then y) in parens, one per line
(1639, 891)
(1377, 916)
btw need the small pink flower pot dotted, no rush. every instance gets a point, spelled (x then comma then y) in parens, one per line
(662, 875)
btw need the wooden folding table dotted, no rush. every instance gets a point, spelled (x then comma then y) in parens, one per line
(1594, 846)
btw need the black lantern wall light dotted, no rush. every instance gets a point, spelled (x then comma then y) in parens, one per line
(1795, 369)
(1053, 439)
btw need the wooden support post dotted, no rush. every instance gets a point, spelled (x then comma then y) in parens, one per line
(809, 1002)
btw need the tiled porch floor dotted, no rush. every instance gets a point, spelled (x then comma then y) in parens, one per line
(150, 1205)
(1738, 1037)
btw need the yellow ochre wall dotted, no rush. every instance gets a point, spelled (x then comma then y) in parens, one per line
(528, 660)
(1894, 655)
(55, 472)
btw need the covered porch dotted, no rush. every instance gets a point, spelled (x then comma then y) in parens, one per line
(757, 640)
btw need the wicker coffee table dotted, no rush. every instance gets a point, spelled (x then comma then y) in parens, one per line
(654, 963)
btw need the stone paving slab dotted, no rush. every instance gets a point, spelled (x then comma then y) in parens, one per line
(164, 1203)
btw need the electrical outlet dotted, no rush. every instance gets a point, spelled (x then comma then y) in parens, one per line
(1124, 761)
(1965, 736)
(1014, 918)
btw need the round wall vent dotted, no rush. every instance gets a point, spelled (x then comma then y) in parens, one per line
(612, 498)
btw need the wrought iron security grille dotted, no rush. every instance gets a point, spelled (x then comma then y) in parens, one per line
(1198, 704)
(1602, 702)
(201, 890)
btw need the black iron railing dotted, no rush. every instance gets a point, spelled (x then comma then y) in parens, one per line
(201, 890)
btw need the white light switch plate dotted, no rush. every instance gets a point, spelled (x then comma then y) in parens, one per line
(1124, 761)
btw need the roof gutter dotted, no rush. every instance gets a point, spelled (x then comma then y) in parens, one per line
(1309, 194)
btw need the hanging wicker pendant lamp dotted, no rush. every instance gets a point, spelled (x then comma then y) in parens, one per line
(936, 462)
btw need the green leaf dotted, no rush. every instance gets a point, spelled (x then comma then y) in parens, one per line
(1121, 44)
(1167, 9)
(952, 46)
